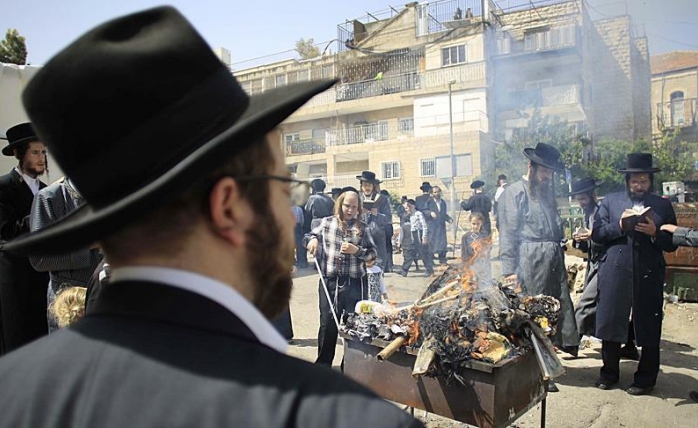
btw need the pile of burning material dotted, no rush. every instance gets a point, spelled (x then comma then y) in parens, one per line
(456, 321)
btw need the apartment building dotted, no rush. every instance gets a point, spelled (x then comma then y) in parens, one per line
(426, 89)
(674, 93)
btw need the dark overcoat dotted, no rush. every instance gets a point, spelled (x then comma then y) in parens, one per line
(376, 224)
(631, 271)
(148, 355)
(437, 226)
(480, 203)
(22, 289)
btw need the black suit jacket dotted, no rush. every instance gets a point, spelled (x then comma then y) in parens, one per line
(22, 289)
(152, 355)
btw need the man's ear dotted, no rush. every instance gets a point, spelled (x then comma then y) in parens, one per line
(231, 214)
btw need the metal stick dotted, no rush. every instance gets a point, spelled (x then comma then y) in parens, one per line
(327, 295)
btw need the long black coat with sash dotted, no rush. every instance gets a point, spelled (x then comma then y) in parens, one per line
(22, 289)
(631, 271)
(149, 355)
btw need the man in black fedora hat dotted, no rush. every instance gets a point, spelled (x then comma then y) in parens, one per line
(318, 206)
(198, 231)
(479, 203)
(584, 193)
(631, 273)
(22, 289)
(531, 237)
(376, 214)
(423, 199)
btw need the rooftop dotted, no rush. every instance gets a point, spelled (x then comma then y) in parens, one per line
(674, 61)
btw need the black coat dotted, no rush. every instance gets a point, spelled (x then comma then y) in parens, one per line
(22, 289)
(151, 355)
(631, 271)
(480, 203)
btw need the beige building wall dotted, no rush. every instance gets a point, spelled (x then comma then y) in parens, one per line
(664, 85)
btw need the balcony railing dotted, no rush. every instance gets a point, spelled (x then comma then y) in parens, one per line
(304, 147)
(677, 114)
(357, 134)
(544, 97)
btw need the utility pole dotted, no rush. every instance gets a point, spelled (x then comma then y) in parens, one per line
(453, 163)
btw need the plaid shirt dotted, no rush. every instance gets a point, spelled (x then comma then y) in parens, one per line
(332, 261)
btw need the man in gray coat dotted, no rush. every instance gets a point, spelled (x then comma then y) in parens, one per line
(198, 231)
(531, 239)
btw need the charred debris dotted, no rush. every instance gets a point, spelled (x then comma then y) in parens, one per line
(457, 320)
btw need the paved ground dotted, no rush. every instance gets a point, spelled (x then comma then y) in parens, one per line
(579, 403)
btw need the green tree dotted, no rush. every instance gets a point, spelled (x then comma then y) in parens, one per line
(13, 49)
(307, 49)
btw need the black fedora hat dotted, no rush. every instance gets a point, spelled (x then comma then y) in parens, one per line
(638, 162)
(546, 155)
(137, 110)
(583, 186)
(348, 189)
(336, 191)
(425, 187)
(318, 185)
(477, 184)
(368, 176)
(17, 135)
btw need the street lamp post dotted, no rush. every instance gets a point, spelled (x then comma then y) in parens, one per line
(453, 166)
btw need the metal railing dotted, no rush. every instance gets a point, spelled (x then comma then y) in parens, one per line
(377, 131)
(304, 147)
(677, 114)
(544, 97)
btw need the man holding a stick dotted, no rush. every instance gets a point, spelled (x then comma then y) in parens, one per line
(531, 240)
(342, 244)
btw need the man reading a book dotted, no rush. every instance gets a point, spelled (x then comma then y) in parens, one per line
(631, 272)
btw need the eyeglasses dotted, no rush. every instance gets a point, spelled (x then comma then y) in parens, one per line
(38, 152)
(299, 188)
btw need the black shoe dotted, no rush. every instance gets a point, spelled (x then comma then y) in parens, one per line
(604, 384)
(629, 352)
(402, 272)
(638, 390)
(552, 387)
(572, 350)
(693, 395)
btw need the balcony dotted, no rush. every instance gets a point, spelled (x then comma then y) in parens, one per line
(679, 113)
(543, 97)
(370, 132)
(534, 41)
(304, 147)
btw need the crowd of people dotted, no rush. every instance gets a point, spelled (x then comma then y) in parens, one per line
(167, 272)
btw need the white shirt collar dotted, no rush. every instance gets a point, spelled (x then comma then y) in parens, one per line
(212, 289)
(32, 182)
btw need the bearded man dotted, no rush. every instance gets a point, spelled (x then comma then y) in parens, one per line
(531, 240)
(198, 231)
(22, 289)
(631, 274)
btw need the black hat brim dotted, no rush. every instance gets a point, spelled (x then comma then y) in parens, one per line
(637, 170)
(9, 150)
(529, 152)
(88, 225)
(585, 190)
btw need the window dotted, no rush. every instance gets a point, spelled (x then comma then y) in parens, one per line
(427, 167)
(390, 170)
(302, 75)
(327, 72)
(677, 108)
(453, 55)
(405, 125)
(280, 80)
(546, 38)
(269, 82)
(538, 84)
(291, 137)
(463, 163)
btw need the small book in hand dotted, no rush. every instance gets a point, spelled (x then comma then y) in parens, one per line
(633, 216)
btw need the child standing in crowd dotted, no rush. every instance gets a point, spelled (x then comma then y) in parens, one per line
(475, 247)
(376, 285)
(69, 306)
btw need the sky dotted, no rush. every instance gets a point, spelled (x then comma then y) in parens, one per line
(257, 32)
